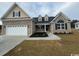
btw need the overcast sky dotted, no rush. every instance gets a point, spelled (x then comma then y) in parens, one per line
(42, 8)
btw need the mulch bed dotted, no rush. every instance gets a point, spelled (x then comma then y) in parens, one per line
(39, 34)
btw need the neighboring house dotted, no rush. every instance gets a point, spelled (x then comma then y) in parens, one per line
(77, 25)
(73, 23)
(17, 22)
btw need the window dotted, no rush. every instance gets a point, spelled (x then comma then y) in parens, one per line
(60, 21)
(61, 25)
(76, 25)
(46, 18)
(16, 14)
(39, 18)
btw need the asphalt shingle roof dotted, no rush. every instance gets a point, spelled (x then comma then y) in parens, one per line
(35, 19)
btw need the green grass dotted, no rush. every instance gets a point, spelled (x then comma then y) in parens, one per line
(69, 44)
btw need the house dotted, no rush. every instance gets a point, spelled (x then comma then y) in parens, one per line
(17, 22)
(77, 25)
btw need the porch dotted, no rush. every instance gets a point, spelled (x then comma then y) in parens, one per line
(42, 27)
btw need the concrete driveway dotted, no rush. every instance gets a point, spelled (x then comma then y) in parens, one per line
(9, 42)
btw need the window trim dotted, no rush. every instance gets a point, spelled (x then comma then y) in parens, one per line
(46, 18)
(60, 26)
(16, 14)
(76, 25)
(40, 19)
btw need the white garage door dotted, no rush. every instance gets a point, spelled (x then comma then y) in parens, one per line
(16, 30)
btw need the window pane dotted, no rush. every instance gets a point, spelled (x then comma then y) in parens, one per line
(76, 25)
(60, 21)
(62, 24)
(58, 24)
(46, 19)
(17, 14)
(58, 27)
(62, 27)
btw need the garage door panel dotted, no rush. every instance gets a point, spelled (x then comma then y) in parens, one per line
(16, 30)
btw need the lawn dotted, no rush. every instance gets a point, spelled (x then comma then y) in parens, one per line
(69, 44)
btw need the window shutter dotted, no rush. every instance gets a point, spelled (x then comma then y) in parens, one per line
(66, 26)
(19, 13)
(13, 14)
(56, 26)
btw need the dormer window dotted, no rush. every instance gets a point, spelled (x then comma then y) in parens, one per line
(16, 14)
(40, 18)
(46, 18)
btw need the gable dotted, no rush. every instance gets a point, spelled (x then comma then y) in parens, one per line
(14, 8)
(60, 16)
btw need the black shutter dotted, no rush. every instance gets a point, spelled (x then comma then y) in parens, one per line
(13, 14)
(66, 26)
(56, 26)
(19, 13)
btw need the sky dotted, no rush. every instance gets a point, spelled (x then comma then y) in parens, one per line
(33, 9)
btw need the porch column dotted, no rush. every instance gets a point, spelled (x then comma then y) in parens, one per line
(45, 28)
(52, 26)
(69, 27)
